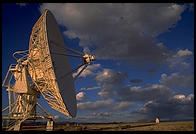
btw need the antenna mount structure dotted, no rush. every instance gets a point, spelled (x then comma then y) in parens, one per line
(44, 70)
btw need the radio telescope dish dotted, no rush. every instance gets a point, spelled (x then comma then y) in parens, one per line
(58, 92)
(43, 69)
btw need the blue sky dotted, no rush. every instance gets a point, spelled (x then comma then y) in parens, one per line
(144, 60)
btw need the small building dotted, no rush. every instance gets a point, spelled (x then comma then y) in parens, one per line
(157, 120)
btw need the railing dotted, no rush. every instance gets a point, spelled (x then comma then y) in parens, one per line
(8, 76)
(23, 55)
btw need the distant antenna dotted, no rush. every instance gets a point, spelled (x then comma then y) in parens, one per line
(43, 69)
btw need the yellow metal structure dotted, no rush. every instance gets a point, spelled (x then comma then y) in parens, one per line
(37, 72)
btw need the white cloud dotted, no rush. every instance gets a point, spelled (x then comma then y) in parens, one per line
(105, 94)
(158, 101)
(123, 31)
(182, 53)
(178, 80)
(190, 97)
(178, 60)
(110, 76)
(182, 97)
(91, 88)
(179, 96)
(164, 76)
(109, 80)
(80, 96)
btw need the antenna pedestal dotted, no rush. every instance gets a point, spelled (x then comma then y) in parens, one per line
(49, 126)
(42, 70)
(14, 122)
(17, 127)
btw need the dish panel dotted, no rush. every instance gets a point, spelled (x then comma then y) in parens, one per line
(47, 68)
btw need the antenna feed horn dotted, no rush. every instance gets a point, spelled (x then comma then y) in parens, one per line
(87, 58)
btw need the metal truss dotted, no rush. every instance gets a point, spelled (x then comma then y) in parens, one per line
(41, 79)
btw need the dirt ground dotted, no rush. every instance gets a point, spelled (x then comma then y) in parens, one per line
(139, 126)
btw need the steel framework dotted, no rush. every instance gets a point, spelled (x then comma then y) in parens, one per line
(34, 75)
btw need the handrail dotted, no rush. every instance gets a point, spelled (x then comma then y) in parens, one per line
(24, 55)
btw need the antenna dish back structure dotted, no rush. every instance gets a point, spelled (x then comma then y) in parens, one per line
(44, 70)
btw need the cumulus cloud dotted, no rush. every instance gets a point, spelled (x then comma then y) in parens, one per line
(158, 101)
(80, 96)
(136, 81)
(182, 53)
(119, 31)
(110, 76)
(177, 106)
(179, 96)
(88, 71)
(185, 65)
(190, 97)
(95, 105)
(178, 60)
(142, 94)
(178, 63)
(182, 98)
(91, 88)
(109, 80)
(178, 80)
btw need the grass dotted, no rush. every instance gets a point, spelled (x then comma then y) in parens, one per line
(162, 126)
(138, 126)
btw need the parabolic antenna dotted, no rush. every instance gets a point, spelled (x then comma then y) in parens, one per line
(47, 67)
(43, 69)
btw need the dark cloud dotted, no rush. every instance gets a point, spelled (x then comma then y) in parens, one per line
(110, 76)
(101, 104)
(101, 114)
(136, 81)
(174, 108)
(109, 80)
(119, 31)
(122, 106)
(156, 101)
(178, 80)
(142, 94)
